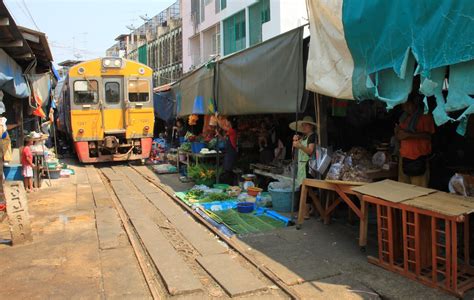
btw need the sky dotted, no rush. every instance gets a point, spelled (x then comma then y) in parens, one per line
(82, 29)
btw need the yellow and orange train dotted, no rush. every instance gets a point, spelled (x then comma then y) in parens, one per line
(106, 108)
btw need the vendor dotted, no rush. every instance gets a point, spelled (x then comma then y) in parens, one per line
(179, 131)
(230, 155)
(306, 148)
(414, 133)
(46, 128)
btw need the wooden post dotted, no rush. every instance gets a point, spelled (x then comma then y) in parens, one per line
(364, 221)
(321, 120)
(466, 241)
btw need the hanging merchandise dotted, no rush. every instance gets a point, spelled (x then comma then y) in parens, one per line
(339, 107)
(213, 121)
(192, 120)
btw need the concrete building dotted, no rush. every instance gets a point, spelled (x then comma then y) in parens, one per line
(222, 27)
(157, 43)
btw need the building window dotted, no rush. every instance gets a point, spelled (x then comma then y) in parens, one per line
(234, 33)
(203, 10)
(255, 24)
(220, 5)
(265, 10)
(216, 43)
(259, 13)
(142, 56)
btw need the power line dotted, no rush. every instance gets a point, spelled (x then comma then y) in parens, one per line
(29, 13)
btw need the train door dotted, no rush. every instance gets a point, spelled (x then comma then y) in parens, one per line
(113, 105)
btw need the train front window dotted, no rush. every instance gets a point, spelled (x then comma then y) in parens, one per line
(112, 92)
(138, 91)
(86, 91)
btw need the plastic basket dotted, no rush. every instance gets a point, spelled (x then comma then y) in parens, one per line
(281, 200)
(197, 146)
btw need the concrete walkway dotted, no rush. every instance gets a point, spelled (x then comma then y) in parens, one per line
(65, 259)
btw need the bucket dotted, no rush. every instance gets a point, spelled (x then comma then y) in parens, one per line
(281, 198)
(197, 146)
(54, 174)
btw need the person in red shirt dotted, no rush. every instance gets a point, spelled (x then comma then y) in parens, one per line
(230, 155)
(414, 133)
(27, 165)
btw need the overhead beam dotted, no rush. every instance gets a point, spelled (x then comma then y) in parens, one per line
(31, 37)
(4, 21)
(17, 43)
(23, 56)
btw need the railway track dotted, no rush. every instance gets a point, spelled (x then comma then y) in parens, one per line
(180, 255)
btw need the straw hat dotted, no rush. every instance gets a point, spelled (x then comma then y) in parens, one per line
(307, 120)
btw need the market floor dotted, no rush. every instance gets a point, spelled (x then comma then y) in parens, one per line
(324, 261)
(66, 258)
(79, 250)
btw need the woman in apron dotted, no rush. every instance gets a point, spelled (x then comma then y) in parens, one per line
(305, 145)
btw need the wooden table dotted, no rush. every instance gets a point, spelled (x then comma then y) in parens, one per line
(418, 233)
(344, 190)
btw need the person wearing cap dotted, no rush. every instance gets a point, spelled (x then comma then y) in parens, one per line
(305, 145)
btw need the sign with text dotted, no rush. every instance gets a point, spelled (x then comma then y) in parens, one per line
(17, 211)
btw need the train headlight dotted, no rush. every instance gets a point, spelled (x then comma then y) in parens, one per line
(112, 62)
(81, 131)
(146, 128)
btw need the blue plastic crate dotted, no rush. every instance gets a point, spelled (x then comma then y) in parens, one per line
(197, 146)
(12, 172)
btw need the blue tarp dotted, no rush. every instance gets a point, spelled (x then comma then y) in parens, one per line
(164, 105)
(11, 77)
(55, 72)
(387, 38)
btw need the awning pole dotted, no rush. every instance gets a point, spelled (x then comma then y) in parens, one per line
(294, 151)
(215, 92)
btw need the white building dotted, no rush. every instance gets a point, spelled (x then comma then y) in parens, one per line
(222, 27)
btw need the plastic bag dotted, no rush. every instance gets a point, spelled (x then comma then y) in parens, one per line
(280, 186)
(335, 172)
(456, 185)
(379, 159)
(338, 157)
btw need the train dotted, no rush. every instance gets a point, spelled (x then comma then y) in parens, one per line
(105, 108)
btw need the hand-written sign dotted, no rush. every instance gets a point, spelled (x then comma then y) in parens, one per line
(17, 211)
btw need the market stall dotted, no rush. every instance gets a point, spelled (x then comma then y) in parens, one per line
(422, 234)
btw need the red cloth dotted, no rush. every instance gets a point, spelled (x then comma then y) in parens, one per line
(414, 148)
(232, 134)
(26, 156)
